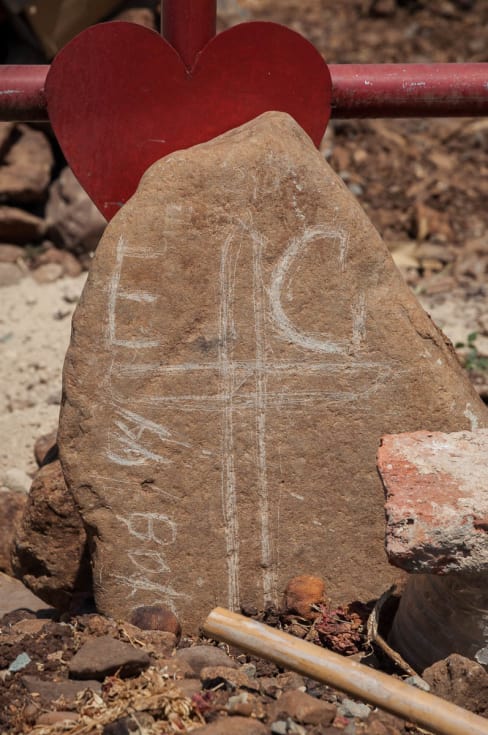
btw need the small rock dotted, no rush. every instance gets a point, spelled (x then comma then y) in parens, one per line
(198, 657)
(287, 727)
(29, 626)
(176, 669)
(417, 681)
(11, 253)
(47, 273)
(231, 678)
(26, 169)
(460, 681)
(301, 707)
(70, 265)
(15, 596)
(10, 274)
(290, 680)
(104, 656)
(189, 687)
(49, 549)
(234, 726)
(46, 449)
(20, 227)
(54, 718)
(17, 480)
(302, 593)
(156, 617)
(74, 220)
(49, 691)
(240, 704)
(22, 660)
(349, 708)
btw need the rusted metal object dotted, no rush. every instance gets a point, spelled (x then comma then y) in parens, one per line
(358, 91)
(360, 681)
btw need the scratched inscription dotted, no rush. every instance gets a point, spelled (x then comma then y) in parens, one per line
(235, 384)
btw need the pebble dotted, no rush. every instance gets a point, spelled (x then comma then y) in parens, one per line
(301, 707)
(17, 480)
(48, 691)
(47, 273)
(212, 676)
(417, 681)
(287, 727)
(104, 656)
(234, 726)
(22, 660)
(156, 617)
(53, 718)
(198, 657)
(10, 274)
(349, 708)
(302, 593)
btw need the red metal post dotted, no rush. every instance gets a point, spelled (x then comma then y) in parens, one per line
(188, 25)
(358, 90)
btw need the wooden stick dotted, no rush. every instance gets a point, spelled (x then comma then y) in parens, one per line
(358, 680)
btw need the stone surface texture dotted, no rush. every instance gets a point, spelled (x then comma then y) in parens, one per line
(73, 219)
(15, 596)
(243, 341)
(49, 548)
(460, 681)
(436, 500)
(26, 169)
(104, 656)
(12, 504)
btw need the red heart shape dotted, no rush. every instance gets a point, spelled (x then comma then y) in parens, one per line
(119, 97)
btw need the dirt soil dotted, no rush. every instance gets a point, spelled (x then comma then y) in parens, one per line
(424, 184)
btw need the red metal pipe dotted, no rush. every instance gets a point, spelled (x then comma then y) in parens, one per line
(409, 90)
(188, 25)
(358, 90)
(22, 93)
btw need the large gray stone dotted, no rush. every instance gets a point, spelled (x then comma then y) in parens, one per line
(242, 343)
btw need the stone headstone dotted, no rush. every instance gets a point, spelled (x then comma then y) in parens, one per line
(243, 341)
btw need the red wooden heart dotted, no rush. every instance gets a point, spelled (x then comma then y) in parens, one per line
(119, 97)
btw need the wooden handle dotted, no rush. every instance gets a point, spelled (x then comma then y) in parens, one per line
(358, 680)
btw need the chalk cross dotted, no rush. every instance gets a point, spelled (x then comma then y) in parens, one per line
(134, 437)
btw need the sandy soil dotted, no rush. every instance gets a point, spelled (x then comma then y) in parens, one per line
(35, 325)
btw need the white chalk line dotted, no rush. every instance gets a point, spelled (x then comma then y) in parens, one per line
(113, 295)
(132, 439)
(286, 329)
(228, 482)
(259, 307)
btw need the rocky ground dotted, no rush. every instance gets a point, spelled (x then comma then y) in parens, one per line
(424, 185)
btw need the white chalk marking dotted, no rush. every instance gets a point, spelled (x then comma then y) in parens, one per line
(259, 307)
(141, 526)
(137, 296)
(113, 294)
(229, 497)
(130, 439)
(472, 417)
(358, 322)
(296, 247)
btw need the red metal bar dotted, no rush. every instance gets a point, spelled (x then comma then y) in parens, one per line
(188, 25)
(409, 90)
(22, 93)
(359, 90)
